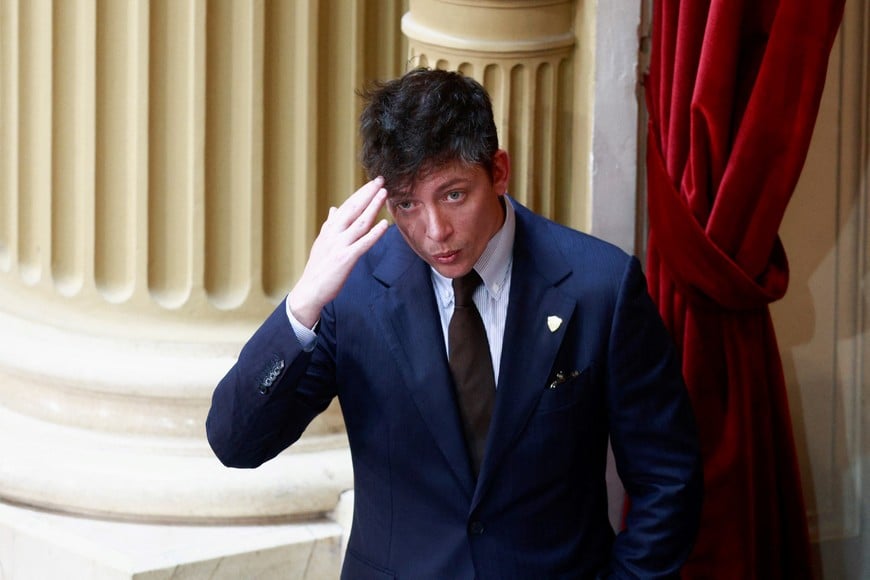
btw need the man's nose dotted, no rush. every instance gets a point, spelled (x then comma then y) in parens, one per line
(438, 227)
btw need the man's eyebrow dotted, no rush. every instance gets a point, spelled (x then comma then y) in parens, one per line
(399, 195)
(451, 183)
(396, 195)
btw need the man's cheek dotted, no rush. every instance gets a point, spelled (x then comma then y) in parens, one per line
(406, 229)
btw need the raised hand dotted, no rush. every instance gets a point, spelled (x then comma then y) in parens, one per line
(348, 233)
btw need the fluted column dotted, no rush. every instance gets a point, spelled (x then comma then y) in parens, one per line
(164, 167)
(522, 52)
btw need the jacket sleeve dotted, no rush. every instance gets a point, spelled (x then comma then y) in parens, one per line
(654, 439)
(271, 394)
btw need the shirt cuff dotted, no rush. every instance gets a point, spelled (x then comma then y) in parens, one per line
(306, 336)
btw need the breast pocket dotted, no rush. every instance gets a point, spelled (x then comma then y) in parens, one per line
(564, 389)
(561, 433)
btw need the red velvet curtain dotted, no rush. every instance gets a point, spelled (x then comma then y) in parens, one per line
(733, 93)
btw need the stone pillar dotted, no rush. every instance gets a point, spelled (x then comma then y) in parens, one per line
(164, 167)
(521, 51)
(144, 232)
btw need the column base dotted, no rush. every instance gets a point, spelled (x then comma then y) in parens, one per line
(163, 480)
(37, 544)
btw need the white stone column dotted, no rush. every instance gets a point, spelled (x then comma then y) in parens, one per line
(164, 166)
(149, 223)
(522, 52)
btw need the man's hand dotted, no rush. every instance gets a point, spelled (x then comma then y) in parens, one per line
(345, 236)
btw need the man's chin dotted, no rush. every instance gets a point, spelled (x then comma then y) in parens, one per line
(452, 270)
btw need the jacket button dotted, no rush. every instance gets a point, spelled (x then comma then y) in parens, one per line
(476, 528)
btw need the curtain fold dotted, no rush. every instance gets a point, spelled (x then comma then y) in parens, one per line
(733, 94)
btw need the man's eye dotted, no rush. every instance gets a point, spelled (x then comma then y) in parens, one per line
(403, 205)
(454, 195)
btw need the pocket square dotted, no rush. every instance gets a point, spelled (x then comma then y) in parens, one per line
(563, 377)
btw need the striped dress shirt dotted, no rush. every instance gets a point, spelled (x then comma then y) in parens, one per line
(491, 297)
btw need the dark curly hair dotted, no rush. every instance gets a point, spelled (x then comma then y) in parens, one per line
(420, 121)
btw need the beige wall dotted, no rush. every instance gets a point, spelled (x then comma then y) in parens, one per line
(822, 322)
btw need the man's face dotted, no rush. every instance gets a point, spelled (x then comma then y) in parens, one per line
(452, 213)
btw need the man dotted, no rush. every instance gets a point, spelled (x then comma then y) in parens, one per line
(493, 467)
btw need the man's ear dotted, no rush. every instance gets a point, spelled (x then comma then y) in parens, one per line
(501, 171)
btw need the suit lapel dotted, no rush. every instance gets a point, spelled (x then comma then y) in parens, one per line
(530, 346)
(408, 315)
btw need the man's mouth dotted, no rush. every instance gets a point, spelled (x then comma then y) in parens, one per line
(445, 257)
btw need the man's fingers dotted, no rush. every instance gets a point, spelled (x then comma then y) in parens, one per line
(364, 222)
(365, 242)
(357, 203)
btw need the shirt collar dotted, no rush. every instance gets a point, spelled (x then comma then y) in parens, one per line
(494, 263)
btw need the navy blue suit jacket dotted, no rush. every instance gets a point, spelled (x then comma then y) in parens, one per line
(539, 507)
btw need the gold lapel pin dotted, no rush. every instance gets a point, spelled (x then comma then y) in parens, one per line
(553, 323)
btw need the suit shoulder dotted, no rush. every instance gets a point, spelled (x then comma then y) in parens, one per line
(571, 239)
(578, 248)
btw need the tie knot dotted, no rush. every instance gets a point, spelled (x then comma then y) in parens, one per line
(464, 287)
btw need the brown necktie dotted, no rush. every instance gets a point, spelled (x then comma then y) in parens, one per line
(471, 367)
